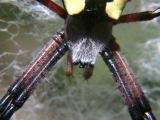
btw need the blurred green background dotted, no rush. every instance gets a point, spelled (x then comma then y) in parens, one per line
(26, 26)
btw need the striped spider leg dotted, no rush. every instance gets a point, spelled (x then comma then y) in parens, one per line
(21, 90)
(138, 105)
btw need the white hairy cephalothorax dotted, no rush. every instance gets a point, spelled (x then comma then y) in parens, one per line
(85, 50)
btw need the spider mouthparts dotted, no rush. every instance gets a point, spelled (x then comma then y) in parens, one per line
(75, 63)
(83, 65)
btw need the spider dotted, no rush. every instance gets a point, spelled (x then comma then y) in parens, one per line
(87, 32)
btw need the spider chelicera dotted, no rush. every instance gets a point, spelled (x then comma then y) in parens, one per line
(87, 32)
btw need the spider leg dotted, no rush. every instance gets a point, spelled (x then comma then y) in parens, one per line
(138, 105)
(141, 16)
(133, 17)
(54, 7)
(89, 72)
(21, 90)
(69, 68)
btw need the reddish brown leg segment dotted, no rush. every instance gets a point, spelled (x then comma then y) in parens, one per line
(54, 7)
(126, 72)
(20, 91)
(89, 72)
(141, 16)
(137, 103)
(69, 68)
(130, 80)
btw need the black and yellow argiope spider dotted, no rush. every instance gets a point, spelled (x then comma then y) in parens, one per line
(87, 32)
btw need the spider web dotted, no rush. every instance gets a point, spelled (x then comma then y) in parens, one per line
(25, 26)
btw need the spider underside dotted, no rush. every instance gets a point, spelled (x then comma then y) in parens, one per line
(80, 36)
(85, 37)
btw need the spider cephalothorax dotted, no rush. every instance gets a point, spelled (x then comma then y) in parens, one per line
(88, 27)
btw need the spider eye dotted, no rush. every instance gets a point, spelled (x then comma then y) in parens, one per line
(74, 6)
(115, 8)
